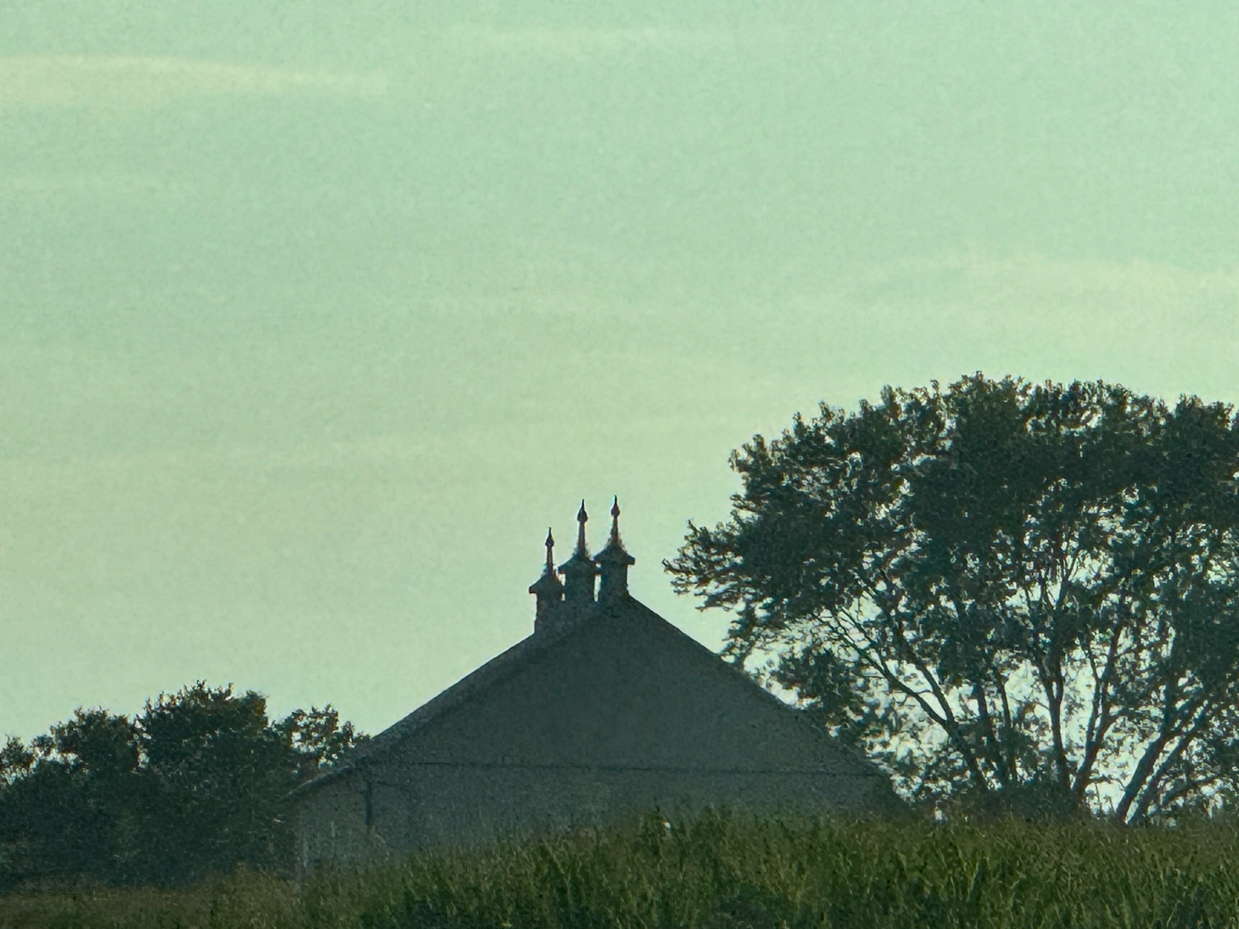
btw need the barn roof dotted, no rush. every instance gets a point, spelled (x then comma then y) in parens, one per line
(558, 620)
(498, 668)
(521, 654)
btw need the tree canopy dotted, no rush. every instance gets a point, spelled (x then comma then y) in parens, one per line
(1015, 593)
(194, 784)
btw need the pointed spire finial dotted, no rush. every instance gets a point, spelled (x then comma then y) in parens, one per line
(615, 511)
(550, 545)
(581, 517)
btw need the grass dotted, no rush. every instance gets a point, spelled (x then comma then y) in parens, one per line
(720, 871)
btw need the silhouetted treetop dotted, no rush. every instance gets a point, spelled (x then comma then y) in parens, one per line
(999, 587)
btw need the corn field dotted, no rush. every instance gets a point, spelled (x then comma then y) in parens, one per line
(723, 870)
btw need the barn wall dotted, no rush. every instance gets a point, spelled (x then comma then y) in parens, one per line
(452, 804)
(331, 824)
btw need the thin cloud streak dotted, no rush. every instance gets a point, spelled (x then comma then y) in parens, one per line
(1031, 289)
(581, 42)
(123, 82)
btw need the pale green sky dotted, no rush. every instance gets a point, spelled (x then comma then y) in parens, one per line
(313, 316)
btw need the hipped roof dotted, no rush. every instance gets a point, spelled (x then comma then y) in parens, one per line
(525, 651)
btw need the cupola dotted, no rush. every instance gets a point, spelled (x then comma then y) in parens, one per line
(547, 588)
(613, 563)
(579, 571)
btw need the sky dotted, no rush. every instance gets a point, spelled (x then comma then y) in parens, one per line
(314, 316)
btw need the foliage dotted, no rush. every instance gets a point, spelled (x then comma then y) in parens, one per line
(718, 870)
(192, 785)
(1015, 592)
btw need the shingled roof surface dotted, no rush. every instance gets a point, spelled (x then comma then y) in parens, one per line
(522, 653)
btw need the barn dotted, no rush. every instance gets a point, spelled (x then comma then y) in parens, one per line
(606, 708)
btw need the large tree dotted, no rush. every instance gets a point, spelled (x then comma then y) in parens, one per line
(194, 784)
(1002, 590)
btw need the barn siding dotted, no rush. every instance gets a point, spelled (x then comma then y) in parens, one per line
(332, 827)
